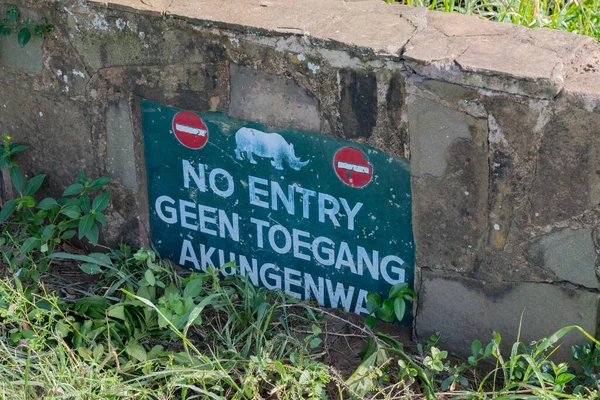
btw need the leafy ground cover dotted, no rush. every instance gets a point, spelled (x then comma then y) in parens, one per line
(577, 16)
(139, 328)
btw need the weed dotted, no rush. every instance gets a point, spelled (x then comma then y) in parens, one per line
(14, 22)
(582, 17)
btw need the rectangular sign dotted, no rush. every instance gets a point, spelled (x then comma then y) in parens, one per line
(316, 217)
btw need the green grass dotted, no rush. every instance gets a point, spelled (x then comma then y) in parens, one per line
(577, 16)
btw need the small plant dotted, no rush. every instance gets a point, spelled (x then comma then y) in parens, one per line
(35, 229)
(14, 22)
(394, 307)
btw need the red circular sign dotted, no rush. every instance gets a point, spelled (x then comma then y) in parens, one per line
(190, 130)
(352, 167)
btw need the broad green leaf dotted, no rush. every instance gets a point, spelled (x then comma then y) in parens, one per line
(135, 350)
(370, 321)
(7, 210)
(84, 353)
(316, 329)
(75, 188)
(47, 203)
(93, 234)
(150, 278)
(79, 257)
(16, 178)
(399, 308)
(315, 342)
(564, 378)
(91, 269)
(12, 13)
(97, 352)
(30, 244)
(476, 348)
(373, 302)
(85, 225)
(68, 234)
(101, 201)
(17, 148)
(99, 182)
(34, 184)
(117, 311)
(386, 312)
(101, 259)
(397, 289)
(193, 288)
(100, 218)
(71, 211)
(85, 203)
(47, 231)
(24, 37)
(4, 30)
(81, 177)
(279, 367)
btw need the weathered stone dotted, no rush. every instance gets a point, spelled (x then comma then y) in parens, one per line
(358, 103)
(449, 161)
(529, 69)
(466, 310)
(569, 254)
(515, 129)
(57, 131)
(27, 59)
(120, 157)
(582, 86)
(382, 29)
(105, 41)
(433, 128)
(567, 181)
(451, 24)
(183, 86)
(272, 100)
(430, 47)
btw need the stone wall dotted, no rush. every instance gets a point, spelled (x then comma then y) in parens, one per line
(501, 125)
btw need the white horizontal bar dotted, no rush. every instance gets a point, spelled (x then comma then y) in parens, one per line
(189, 129)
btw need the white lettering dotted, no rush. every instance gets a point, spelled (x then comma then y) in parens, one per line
(351, 212)
(212, 179)
(255, 192)
(260, 224)
(287, 239)
(288, 281)
(399, 271)
(188, 254)
(206, 218)
(340, 294)
(172, 218)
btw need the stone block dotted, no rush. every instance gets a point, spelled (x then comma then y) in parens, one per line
(103, 40)
(466, 310)
(272, 100)
(188, 87)
(27, 59)
(58, 132)
(567, 181)
(120, 154)
(569, 254)
(358, 103)
(449, 166)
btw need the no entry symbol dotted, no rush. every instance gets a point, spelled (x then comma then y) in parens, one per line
(352, 167)
(190, 130)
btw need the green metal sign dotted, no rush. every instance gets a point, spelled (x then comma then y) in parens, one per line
(317, 217)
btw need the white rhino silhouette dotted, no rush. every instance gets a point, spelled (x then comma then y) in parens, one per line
(268, 145)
